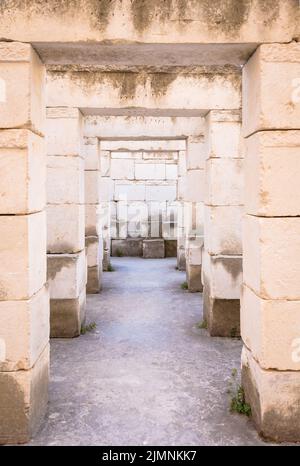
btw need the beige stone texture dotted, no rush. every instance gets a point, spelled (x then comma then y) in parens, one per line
(122, 169)
(272, 256)
(22, 255)
(23, 401)
(24, 329)
(193, 275)
(195, 153)
(64, 132)
(223, 229)
(66, 275)
(91, 153)
(223, 135)
(24, 75)
(92, 184)
(194, 186)
(153, 249)
(67, 316)
(272, 172)
(270, 329)
(274, 399)
(223, 275)
(65, 180)
(92, 219)
(271, 81)
(23, 174)
(65, 228)
(224, 182)
(94, 279)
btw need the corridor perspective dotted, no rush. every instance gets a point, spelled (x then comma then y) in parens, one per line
(147, 374)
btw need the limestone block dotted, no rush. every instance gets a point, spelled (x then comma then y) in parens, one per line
(144, 145)
(195, 154)
(194, 185)
(65, 228)
(91, 154)
(270, 329)
(274, 399)
(150, 171)
(170, 248)
(92, 218)
(23, 401)
(106, 259)
(181, 259)
(272, 256)
(131, 247)
(106, 189)
(94, 186)
(224, 135)
(129, 191)
(23, 172)
(67, 316)
(153, 249)
(24, 330)
(182, 163)
(94, 279)
(167, 156)
(122, 169)
(66, 275)
(193, 250)
(105, 163)
(64, 132)
(181, 188)
(65, 180)
(272, 174)
(193, 276)
(94, 248)
(22, 255)
(223, 274)
(124, 154)
(171, 171)
(224, 182)
(24, 76)
(271, 81)
(167, 192)
(223, 229)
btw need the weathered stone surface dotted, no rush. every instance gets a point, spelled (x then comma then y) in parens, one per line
(94, 279)
(150, 171)
(64, 132)
(224, 275)
(223, 229)
(193, 275)
(271, 81)
(91, 154)
(92, 219)
(23, 401)
(272, 172)
(23, 75)
(122, 169)
(23, 173)
(223, 134)
(67, 316)
(269, 241)
(93, 186)
(22, 255)
(24, 331)
(223, 317)
(170, 248)
(194, 186)
(65, 180)
(65, 228)
(274, 399)
(153, 249)
(66, 275)
(127, 247)
(224, 182)
(270, 329)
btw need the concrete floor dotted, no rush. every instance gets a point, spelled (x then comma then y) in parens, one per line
(147, 375)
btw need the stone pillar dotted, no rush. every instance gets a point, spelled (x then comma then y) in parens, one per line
(65, 221)
(222, 256)
(93, 235)
(106, 190)
(24, 300)
(270, 312)
(182, 169)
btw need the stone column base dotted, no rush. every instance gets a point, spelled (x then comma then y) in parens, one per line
(222, 316)
(153, 249)
(106, 260)
(193, 275)
(274, 398)
(181, 259)
(67, 316)
(94, 280)
(23, 401)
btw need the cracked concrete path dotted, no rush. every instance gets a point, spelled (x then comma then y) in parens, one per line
(147, 375)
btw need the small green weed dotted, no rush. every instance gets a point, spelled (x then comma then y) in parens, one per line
(184, 286)
(88, 328)
(238, 402)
